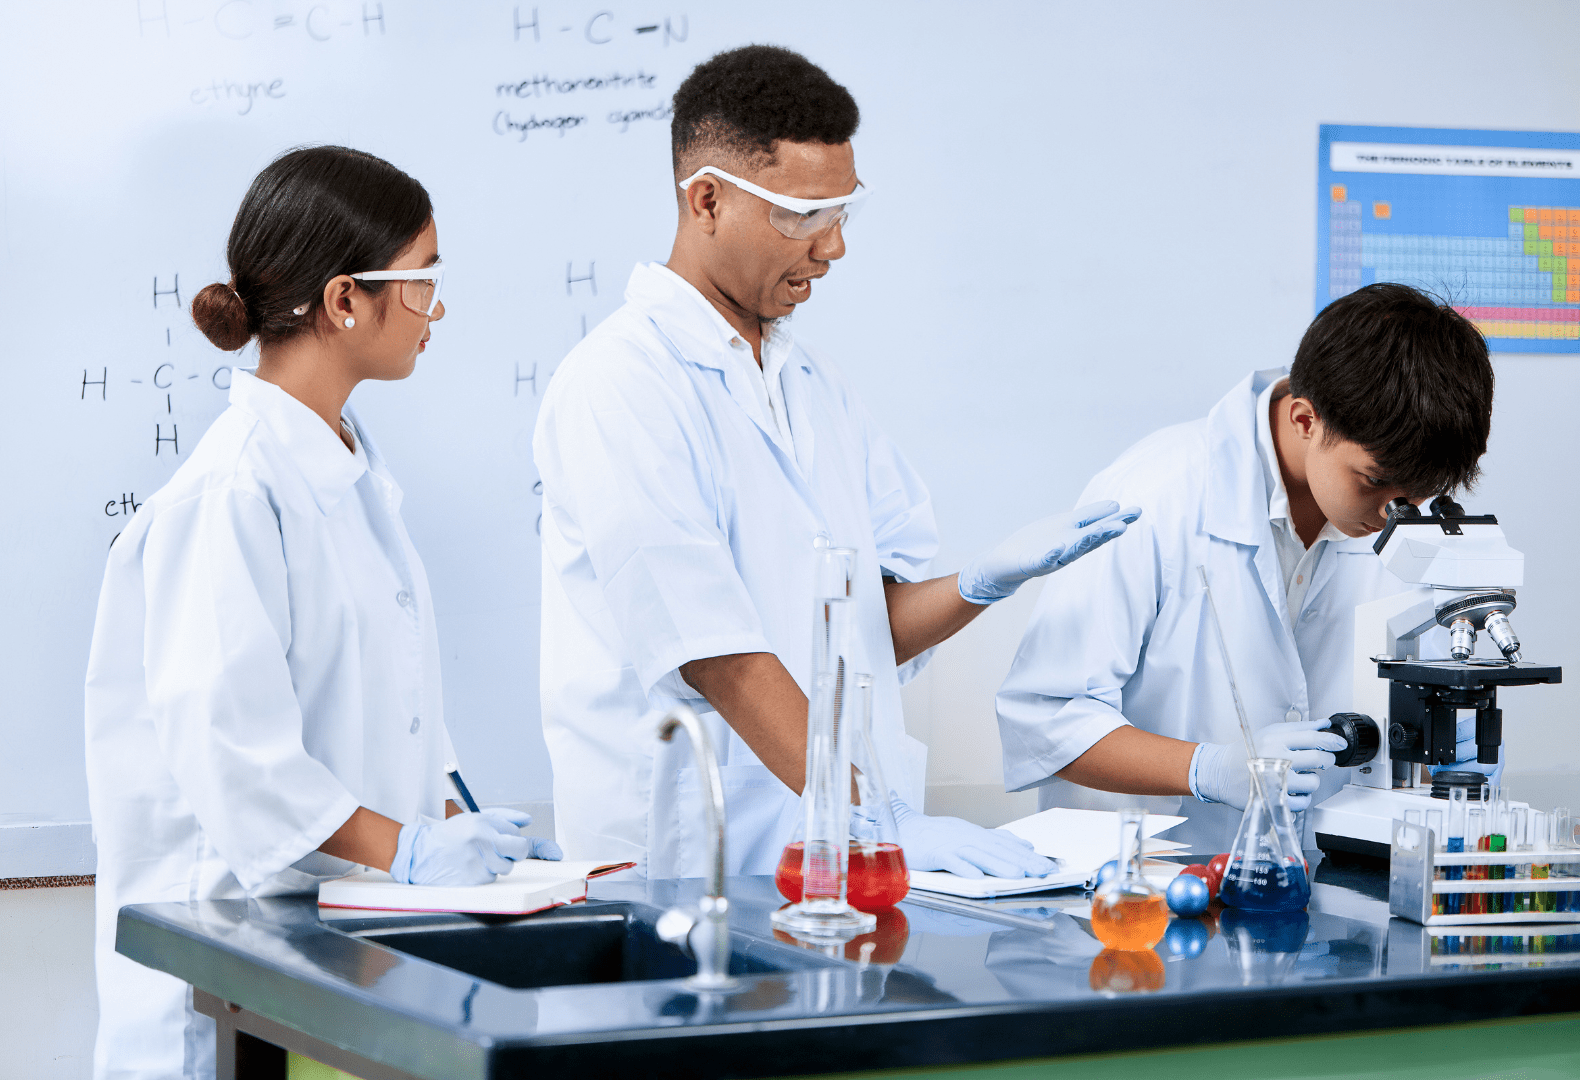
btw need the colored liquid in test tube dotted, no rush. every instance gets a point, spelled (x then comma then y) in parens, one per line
(1454, 902)
(1519, 842)
(1475, 840)
(1541, 869)
(1564, 841)
(1497, 840)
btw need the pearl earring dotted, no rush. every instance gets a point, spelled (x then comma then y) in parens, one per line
(350, 323)
(299, 311)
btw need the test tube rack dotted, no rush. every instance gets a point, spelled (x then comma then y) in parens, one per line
(1413, 882)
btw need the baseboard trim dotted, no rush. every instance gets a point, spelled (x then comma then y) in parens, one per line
(47, 849)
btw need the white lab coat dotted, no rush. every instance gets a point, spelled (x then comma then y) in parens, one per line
(264, 661)
(678, 523)
(1123, 635)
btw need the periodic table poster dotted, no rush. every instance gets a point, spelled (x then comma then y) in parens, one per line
(1489, 221)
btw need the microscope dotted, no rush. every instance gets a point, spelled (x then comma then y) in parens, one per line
(1406, 707)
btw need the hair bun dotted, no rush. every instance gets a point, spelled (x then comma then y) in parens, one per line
(221, 315)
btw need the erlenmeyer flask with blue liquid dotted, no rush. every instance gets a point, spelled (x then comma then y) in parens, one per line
(1266, 871)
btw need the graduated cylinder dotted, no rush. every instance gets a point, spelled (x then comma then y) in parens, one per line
(825, 801)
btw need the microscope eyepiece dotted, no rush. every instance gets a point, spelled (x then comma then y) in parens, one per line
(1403, 508)
(1445, 506)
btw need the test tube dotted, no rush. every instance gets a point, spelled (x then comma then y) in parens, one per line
(1519, 841)
(1497, 840)
(1475, 840)
(1541, 869)
(1434, 825)
(1456, 844)
(1564, 840)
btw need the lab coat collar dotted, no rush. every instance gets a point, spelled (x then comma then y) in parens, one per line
(318, 453)
(693, 325)
(1267, 453)
(1231, 512)
(1236, 504)
(702, 336)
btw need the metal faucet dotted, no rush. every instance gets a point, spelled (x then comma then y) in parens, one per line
(702, 932)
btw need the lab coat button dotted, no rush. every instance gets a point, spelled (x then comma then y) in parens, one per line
(403, 598)
(416, 722)
(1289, 717)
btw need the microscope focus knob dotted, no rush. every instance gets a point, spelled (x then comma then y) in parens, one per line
(1400, 737)
(1360, 735)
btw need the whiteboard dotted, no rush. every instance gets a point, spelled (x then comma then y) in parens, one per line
(1088, 221)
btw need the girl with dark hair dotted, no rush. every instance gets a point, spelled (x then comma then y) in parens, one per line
(263, 701)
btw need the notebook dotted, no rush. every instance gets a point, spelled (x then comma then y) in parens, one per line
(532, 885)
(1079, 841)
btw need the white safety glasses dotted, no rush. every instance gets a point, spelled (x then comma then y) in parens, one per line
(419, 288)
(799, 219)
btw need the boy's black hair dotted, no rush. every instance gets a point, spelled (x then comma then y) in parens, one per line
(738, 104)
(1407, 378)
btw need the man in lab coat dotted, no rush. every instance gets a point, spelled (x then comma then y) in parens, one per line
(692, 454)
(1118, 685)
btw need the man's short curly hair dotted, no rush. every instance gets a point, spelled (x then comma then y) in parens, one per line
(739, 103)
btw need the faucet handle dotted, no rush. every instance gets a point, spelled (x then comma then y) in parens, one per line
(675, 927)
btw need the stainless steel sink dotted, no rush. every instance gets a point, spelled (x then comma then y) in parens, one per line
(595, 942)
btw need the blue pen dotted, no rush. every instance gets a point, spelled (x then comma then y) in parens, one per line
(460, 785)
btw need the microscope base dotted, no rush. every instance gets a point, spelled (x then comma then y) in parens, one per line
(1358, 820)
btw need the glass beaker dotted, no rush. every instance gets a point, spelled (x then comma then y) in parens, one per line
(822, 910)
(1266, 871)
(879, 878)
(1127, 912)
(876, 875)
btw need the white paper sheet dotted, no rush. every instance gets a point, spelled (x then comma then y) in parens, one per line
(1086, 839)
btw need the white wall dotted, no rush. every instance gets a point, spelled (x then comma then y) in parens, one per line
(1175, 143)
(48, 1011)
(1090, 221)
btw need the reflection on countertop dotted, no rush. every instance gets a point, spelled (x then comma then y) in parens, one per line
(939, 981)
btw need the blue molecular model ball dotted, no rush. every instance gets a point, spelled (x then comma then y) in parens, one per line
(1187, 895)
(1109, 869)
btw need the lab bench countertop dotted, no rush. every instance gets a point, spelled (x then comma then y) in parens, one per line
(939, 983)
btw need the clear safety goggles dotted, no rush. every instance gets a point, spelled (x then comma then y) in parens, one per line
(419, 288)
(799, 219)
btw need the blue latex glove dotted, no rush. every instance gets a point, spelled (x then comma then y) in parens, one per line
(1041, 548)
(467, 849)
(1465, 754)
(948, 843)
(1218, 773)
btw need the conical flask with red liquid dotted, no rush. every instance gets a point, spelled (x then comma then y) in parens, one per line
(824, 828)
(876, 875)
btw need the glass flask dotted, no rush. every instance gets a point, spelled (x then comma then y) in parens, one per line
(876, 875)
(1266, 870)
(824, 829)
(1126, 971)
(1264, 944)
(1127, 912)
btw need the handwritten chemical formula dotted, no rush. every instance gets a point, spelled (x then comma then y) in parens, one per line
(171, 379)
(243, 20)
(540, 104)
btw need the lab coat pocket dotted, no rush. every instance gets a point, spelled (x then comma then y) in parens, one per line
(758, 811)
